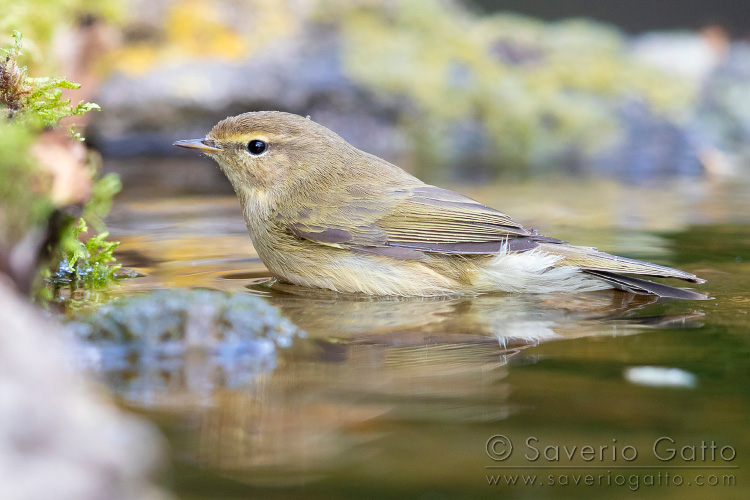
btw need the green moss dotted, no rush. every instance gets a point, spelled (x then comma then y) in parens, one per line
(17, 165)
(37, 102)
(539, 90)
(31, 106)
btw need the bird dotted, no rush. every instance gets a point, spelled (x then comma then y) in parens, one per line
(324, 214)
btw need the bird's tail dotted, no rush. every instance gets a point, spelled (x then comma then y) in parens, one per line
(641, 286)
(608, 268)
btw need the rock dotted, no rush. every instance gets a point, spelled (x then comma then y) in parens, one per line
(442, 92)
(146, 113)
(724, 113)
(60, 437)
(687, 55)
(177, 346)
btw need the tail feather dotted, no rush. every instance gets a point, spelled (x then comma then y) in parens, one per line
(641, 286)
(589, 259)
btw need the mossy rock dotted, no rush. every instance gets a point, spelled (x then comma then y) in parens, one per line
(185, 319)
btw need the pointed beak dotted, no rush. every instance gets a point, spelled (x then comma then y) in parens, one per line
(204, 145)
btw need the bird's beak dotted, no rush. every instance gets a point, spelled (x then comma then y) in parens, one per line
(205, 145)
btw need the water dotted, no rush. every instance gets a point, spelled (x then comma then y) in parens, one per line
(389, 398)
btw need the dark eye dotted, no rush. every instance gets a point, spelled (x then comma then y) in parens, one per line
(257, 147)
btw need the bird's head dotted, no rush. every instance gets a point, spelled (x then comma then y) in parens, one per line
(271, 151)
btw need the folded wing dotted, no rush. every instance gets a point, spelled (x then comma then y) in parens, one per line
(406, 223)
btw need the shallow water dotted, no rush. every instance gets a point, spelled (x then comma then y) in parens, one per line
(401, 398)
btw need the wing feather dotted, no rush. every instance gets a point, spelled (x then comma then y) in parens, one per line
(422, 219)
(405, 223)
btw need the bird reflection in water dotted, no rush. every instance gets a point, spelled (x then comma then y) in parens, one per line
(364, 363)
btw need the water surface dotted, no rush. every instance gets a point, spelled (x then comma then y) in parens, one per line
(399, 398)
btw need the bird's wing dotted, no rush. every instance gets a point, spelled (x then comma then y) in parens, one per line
(405, 222)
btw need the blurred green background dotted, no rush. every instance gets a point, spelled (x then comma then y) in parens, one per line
(453, 91)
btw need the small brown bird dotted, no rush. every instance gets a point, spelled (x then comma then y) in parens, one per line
(321, 213)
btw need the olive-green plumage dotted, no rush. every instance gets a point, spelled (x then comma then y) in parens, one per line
(322, 213)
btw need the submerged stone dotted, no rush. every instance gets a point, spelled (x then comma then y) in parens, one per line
(182, 343)
(193, 318)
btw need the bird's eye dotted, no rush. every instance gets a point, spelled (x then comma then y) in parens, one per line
(257, 147)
